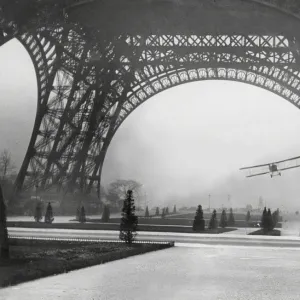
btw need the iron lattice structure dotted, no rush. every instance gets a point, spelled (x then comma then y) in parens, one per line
(89, 83)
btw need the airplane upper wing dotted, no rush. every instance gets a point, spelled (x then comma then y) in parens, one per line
(252, 167)
(289, 159)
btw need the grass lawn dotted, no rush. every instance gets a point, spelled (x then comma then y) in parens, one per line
(109, 226)
(33, 259)
(262, 232)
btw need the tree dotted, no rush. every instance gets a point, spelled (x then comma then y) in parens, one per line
(231, 220)
(265, 220)
(117, 190)
(38, 212)
(270, 220)
(157, 211)
(82, 217)
(106, 213)
(297, 212)
(49, 214)
(4, 244)
(174, 209)
(275, 217)
(248, 217)
(6, 164)
(167, 210)
(129, 220)
(213, 223)
(147, 212)
(199, 222)
(163, 213)
(249, 207)
(223, 220)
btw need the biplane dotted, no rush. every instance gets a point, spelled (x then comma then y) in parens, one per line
(274, 168)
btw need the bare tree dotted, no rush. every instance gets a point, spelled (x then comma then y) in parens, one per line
(6, 164)
(117, 190)
(4, 245)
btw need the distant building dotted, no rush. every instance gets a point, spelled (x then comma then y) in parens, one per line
(260, 203)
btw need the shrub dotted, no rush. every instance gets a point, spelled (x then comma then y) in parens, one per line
(106, 213)
(129, 220)
(163, 213)
(157, 211)
(231, 220)
(267, 220)
(213, 223)
(199, 222)
(49, 214)
(147, 212)
(38, 212)
(248, 217)
(223, 220)
(82, 217)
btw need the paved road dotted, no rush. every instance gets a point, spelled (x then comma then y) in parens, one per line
(208, 239)
(192, 272)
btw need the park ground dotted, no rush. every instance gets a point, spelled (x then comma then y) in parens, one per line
(182, 272)
(179, 222)
(33, 259)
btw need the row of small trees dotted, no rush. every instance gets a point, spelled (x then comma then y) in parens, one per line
(199, 222)
(268, 220)
(129, 220)
(164, 212)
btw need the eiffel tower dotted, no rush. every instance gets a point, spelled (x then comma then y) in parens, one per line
(96, 61)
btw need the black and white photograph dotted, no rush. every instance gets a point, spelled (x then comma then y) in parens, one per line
(149, 149)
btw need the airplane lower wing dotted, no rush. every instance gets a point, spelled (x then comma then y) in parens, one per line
(289, 168)
(258, 174)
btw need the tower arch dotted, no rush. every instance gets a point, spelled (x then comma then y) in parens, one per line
(90, 79)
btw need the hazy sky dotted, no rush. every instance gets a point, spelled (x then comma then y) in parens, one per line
(183, 143)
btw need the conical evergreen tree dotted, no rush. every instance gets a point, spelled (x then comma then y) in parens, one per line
(106, 213)
(213, 223)
(174, 209)
(82, 217)
(147, 212)
(270, 220)
(248, 217)
(157, 211)
(129, 220)
(223, 220)
(264, 220)
(275, 217)
(49, 214)
(163, 213)
(4, 243)
(199, 222)
(38, 212)
(167, 211)
(231, 220)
